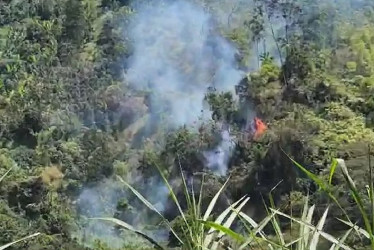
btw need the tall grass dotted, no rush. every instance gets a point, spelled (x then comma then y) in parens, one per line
(200, 232)
(367, 230)
(22, 239)
(194, 233)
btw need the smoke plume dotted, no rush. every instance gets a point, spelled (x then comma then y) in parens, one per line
(177, 55)
(218, 159)
(104, 199)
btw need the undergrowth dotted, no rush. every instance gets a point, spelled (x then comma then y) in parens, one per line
(200, 231)
(22, 239)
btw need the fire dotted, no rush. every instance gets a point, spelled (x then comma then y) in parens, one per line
(260, 128)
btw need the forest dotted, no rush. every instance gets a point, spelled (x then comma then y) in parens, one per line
(186, 124)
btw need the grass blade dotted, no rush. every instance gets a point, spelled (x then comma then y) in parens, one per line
(306, 230)
(371, 187)
(224, 230)
(4, 175)
(345, 236)
(323, 234)
(258, 229)
(219, 220)
(230, 220)
(252, 223)
(263, 223)
(131, 228)
(320, 183)
(332, 169)
(302, 231)
(294, 241)
(16, 241)
(174, 197)
(315, 238)
(213, 201)
(312, 176)
(201, 192)
(149, 205)
(356, 228)
(141, 197)
(274, 220)
(357, 198)
(185, 188)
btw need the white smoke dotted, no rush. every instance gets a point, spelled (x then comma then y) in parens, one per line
(177, 55)
(101, 201)
(218, 159)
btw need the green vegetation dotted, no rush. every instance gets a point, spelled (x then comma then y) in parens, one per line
(91, 157)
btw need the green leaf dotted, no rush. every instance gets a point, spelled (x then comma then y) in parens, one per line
(357, 198)
(322, 185)
(332, 169)
(225, 230)
(150, 206)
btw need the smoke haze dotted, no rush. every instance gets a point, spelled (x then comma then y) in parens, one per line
(177, 56)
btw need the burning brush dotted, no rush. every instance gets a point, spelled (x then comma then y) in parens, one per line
(259, 129)
(255, 128)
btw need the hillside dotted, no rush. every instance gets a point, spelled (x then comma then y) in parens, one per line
(98, 94)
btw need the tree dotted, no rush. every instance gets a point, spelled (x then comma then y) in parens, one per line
(75, 27)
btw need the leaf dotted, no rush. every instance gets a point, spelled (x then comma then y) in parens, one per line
(230, 220)
(323, 234)
(258, 229)
(357, 198)
(22, 239)
(307, 229)
(332, 169)
(174, 197)
(150, 206)
(8, 68)
(356, 228)
(303, 231)
(213, 201)
(312, 176)
(131, 228)
(314, 242)
(219, 220)
(274, 220)
(224, 230)
(251, 222)
(345, 236)
(320, 183)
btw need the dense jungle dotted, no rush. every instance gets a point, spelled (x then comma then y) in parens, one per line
(187, 124)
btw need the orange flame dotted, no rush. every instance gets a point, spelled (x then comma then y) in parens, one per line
(260, 128)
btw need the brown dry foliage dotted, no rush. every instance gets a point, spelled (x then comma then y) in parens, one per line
(52, 176)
